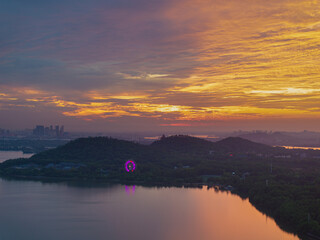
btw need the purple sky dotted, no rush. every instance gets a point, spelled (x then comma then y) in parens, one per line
(141, 65)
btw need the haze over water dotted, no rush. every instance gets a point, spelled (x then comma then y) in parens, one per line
(5, 155)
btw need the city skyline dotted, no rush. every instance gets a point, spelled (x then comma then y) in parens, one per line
(192, 65)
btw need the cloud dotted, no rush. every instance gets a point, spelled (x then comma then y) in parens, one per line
(286, 91)
(190, 60)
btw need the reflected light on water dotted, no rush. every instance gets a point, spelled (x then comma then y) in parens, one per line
(130, 189)
(82, 212)
(305, 148)
(219, 215)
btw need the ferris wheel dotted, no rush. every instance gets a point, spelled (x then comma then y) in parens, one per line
(130, 166)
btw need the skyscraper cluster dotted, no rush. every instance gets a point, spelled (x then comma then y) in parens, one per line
(41, 130)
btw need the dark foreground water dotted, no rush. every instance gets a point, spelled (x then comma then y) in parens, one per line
(32, 210)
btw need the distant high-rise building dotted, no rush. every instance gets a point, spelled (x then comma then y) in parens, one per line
(61, 131)
(51, 131)
(47, 131)
(57, 131)
(39, 130)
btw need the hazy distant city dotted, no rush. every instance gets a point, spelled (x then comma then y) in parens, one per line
(54, 135)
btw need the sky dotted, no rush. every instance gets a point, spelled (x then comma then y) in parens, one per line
(142, 65)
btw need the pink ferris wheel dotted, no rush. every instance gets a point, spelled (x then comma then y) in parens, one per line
(130, 166)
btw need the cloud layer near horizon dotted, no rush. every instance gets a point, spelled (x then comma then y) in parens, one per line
(178, 63)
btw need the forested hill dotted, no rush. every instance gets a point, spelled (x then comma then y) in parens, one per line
(112, 151)
(94, 149)
(237, 144)
(183, 143)
(167, 151)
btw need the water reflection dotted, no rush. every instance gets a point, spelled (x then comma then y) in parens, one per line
(85, 211)
(130, 189)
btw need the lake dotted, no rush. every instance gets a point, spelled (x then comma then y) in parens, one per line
(31, 210)
(5, 155)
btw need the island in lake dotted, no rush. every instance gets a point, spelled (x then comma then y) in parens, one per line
(283, 183)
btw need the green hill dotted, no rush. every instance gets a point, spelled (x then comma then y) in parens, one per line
(92, 150)
(183, 144)
(104, 157)
(187, 144)
(240, 145)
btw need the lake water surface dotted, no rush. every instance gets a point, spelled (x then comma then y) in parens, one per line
(5, 155)
(31, 210)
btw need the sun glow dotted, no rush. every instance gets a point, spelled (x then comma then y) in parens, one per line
(202, 61)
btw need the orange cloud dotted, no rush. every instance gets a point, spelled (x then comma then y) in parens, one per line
(220, 60)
